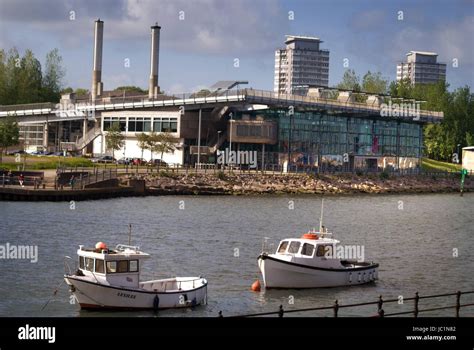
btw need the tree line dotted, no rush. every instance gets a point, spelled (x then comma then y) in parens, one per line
(24, 80)
(442, 141)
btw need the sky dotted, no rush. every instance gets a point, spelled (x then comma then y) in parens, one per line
(201, 39)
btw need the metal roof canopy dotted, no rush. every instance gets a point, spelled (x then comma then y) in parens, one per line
(226, 85)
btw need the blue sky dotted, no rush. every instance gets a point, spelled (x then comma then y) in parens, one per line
(201, 48)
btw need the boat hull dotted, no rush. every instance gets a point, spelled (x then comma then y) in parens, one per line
(91, 295)
(283, 274)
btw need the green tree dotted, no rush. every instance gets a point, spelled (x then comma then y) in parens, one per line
(350, 81)
(166, 143)
(29, 79)
(114, 138)
(133, 89)
(9, 134)
(11, 83)
(142, 140)
(374, 83)
(81, 92)
(201, 93)
(53, 76)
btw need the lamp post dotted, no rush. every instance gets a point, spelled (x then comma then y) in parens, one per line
(230, 137)
(459, 155)
(218, 138)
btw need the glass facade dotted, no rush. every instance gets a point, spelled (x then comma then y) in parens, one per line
(315, 138)
(142, 124)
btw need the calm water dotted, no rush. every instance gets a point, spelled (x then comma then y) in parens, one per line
(411, 236)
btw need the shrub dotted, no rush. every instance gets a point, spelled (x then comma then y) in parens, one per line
(384, 175)
(221, 176)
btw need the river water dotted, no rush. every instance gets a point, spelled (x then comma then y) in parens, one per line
(423, 243)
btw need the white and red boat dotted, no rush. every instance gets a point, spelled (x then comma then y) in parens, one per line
(311, 261)
(110, 279)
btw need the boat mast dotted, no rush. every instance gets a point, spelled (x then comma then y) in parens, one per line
(321, 218)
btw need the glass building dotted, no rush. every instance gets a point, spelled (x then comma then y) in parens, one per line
(336, 141)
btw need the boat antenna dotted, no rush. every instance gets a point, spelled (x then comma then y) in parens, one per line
(129, 234)
(321, 218)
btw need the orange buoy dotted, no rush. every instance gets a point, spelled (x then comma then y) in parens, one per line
(256, 286)
(100, 245)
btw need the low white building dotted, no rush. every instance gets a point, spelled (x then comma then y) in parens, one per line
(133, 123)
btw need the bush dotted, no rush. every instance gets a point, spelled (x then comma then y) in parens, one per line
(165, 173)
(221, 176)
(359, 172)
(384, 175)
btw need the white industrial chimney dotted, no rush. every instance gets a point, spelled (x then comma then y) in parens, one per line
(97, 85)
(153, 88)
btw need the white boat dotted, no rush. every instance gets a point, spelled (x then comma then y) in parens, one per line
(110, 279)
(312, 261)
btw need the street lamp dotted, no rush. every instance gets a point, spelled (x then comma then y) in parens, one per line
(230, 137)
(218, 138)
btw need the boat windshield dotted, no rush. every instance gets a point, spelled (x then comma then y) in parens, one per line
(282, 247)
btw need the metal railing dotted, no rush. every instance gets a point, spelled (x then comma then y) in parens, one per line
(380, 303)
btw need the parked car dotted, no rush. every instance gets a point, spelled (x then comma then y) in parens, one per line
(158, 162)
(124, 161)
(138, 161)
(104, 159)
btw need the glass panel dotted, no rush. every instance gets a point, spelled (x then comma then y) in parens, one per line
(174, 126)
(282, 247)
(294, 247)
(147, 125)
(157, 125)
(308, 249)
(99, 266)
(81, 262)
(111, 266)
(133, 265)
(89, 264)
(122, 266)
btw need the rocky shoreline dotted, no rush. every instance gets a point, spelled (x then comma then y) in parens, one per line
(251, 184)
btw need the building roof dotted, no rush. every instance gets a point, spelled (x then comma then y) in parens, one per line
(290, 38)
(426, 53)
(226, 85)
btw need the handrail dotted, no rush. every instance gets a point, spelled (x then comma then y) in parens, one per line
(379, 303)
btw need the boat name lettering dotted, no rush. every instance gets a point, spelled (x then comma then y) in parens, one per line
(126, 295)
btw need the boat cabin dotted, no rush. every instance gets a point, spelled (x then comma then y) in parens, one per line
(311, 247)
(118, 267)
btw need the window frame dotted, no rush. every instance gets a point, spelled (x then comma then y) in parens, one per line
(297, 249)
(312, 249)
(280, 246)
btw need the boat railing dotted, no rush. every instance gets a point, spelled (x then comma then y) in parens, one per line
(67, 268)
(380, 303)
(165, 283)
(123, 247)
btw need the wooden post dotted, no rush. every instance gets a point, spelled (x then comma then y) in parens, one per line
(336, 308)
(417, 299)
(458, 302)
(380, 305)
(281, 311)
